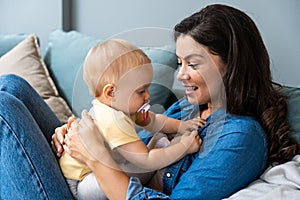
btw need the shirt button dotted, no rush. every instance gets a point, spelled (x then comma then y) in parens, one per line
(168, 175)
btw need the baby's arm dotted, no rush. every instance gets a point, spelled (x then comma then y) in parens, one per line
(138, 154)
(178, 126)
(162, 123)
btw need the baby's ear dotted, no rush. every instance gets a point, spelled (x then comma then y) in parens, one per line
(109, 91)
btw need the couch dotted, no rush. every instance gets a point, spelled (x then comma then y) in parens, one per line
(57, 76)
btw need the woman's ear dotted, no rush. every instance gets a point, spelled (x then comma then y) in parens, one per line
(109, 91)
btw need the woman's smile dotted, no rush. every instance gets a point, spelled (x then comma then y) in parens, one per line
(189, 90)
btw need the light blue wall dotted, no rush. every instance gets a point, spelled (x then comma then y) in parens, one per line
(278, 21)
(30, 16)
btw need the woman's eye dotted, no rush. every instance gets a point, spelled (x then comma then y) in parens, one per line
(193, 65)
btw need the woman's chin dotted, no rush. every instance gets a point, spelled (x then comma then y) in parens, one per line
(192, 99)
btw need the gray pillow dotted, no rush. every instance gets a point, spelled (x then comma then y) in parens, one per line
(293, 102)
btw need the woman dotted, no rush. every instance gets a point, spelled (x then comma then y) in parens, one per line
(220, 54)
(244, 131)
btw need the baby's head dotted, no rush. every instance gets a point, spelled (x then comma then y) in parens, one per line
(108, 61)
(116, 62)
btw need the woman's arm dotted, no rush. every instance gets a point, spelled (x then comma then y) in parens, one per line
(88, 147)
(114, 183)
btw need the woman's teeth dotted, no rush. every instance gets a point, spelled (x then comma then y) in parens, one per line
(192, 88)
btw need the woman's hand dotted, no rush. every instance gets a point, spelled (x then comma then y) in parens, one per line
(84, 142)
(58, 137)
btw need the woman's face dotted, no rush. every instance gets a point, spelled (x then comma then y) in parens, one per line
(199, 71)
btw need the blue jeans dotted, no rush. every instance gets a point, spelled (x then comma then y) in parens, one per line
(28, 167)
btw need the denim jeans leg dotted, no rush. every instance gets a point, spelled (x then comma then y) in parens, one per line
(40, 111)
(28, 167)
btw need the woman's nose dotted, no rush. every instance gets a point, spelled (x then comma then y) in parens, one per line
(182, 73)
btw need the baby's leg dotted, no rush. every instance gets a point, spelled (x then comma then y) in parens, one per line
(73, 186)
(159, 140)
(88, 188)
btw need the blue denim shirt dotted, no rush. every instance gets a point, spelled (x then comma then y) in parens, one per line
(234, 153)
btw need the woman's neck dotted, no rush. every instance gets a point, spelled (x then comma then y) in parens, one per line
(204, 114)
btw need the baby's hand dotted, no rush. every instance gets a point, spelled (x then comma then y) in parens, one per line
(190, 125)
(192, 141)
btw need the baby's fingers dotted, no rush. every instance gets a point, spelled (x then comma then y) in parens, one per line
(195, 123)
(198, 138)
(199, 121)
(194, 133)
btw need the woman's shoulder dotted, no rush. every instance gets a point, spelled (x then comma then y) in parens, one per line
(235, 132)
(229, 123)
(243, 121)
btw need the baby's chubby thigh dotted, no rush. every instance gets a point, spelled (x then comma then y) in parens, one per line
(88, 188)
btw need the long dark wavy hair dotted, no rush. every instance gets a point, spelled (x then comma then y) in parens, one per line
(232, 35)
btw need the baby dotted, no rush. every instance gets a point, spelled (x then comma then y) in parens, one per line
(119, 75)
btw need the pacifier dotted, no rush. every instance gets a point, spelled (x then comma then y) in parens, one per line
(144, 110)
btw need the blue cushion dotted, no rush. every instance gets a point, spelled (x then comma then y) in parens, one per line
(9, 41)
(65, 55)
(164, 62)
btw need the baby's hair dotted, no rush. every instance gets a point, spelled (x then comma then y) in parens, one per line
(108, 61)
